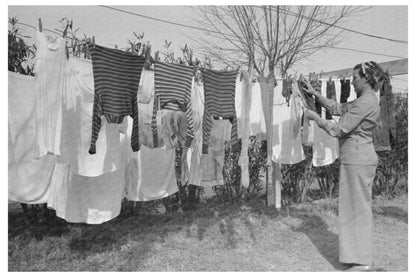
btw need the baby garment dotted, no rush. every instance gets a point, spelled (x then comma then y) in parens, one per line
(150, 174)
(219, 89)
(285, 148)
(353, 94)
(331, 94)
(173, 83)
(28, 178)
(307, 135)
(49, 68)
(146, 90)
(116, 82)
(257, 125)
(194, 169)
(82, 199)
(267, 88)
(145, 126)
(325, 149)
(76, 126)
(345, 90)
(309, 100)
(243, 124)
(296, 112)
(286, 90)
(173, 128)
(212, 163)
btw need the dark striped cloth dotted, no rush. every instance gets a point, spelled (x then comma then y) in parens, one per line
(219, 90)
(116, 81)
(330, 93)
(173, 83)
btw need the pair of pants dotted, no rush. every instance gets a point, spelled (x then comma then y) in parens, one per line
(355, 214)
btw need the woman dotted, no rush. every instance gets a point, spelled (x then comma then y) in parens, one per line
(358, 161)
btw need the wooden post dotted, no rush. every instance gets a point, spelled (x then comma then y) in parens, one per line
(276, 184)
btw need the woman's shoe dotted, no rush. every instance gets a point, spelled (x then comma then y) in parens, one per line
(358, 268)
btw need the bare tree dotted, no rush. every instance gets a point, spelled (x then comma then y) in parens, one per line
(271, 39)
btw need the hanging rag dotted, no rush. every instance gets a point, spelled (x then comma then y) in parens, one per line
(286, 149)
(49, 68)
(28, 179)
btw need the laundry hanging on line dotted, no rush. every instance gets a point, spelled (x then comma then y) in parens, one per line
(116, 81)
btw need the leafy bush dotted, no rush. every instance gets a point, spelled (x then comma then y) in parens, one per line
(19, 52)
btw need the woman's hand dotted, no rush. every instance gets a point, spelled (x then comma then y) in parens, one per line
(309, 89)
(311, 115)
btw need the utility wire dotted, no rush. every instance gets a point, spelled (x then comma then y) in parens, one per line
(166, 21)
(193, 27)
(333, 47)
(339, 27)
(367, 52)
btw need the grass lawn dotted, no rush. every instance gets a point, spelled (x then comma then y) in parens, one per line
(213, 237)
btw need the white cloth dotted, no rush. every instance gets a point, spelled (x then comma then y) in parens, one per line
(50, 66)
(325, 149)
(337, 83)
(81, 199)
(353, 94)
(285, 148)
(77, 126)
(194, 152)
(149, 173)
(257, 118)
(244, 129)
(146, 89)
(28, 178)
(212, 163)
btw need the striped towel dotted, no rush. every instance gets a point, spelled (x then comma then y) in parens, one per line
(116, 81)
(173, 83)
(219, 88)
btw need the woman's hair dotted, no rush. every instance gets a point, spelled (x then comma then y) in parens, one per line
(372, 72)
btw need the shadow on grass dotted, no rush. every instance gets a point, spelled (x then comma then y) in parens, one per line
(394, 212)
(325, 241)
(50, 227)
(133, 234)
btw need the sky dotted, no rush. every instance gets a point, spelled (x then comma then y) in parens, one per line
(110, 27)
(113, 27)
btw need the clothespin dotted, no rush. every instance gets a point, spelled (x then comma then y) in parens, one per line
(330, 78)
(93, 41)
(40, 24)
(320, 74)
(66, 30)
(147, 54)
(241, 76)
(157, 55)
